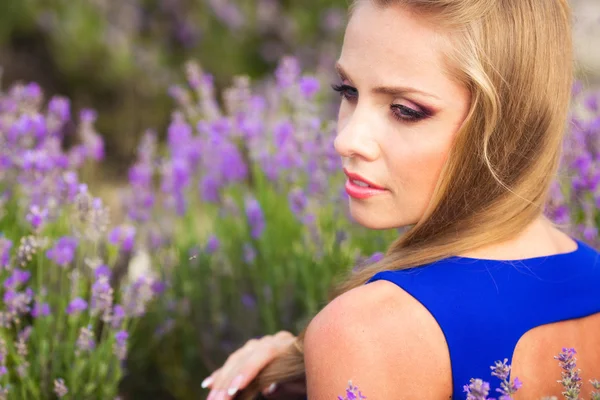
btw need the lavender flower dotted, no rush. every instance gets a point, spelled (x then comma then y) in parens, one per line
(596, 385)
(120, 347)
(352, 393)
(76, 306)
(40, 310)
(118, 315)
(123, 236)
(60, 388)
(85, 341)
(63, 251)
(137, 295)
(287, 72)
(212, 244)
(298, 201)
(5, 246)
(309, 86)
(571, 380)
(3, 357)
(255, 217)
(93, 142)
(17, 278)
(248, 301)
(507, 389)
(477, 390)
(27, 248)
(102, 297)
(17, 303)
(37, 217)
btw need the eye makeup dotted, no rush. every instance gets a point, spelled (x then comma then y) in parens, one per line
(400, 112)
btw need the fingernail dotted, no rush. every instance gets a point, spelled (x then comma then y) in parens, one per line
(207, 382)
(271, 388)
(211, 395)
(235, 385)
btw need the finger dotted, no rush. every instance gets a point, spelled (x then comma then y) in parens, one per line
(230, 371)
(216, 379)
(209, 380)
(270, 389)
(250, 364)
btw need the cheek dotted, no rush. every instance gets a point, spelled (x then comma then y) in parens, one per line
(417, 168)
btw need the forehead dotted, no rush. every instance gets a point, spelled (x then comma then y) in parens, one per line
(383, 43)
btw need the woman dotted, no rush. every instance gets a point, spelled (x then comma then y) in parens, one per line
(451, 122)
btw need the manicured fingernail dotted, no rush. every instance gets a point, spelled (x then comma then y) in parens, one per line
(211, 395)
(207, 382)
(235, 385)
(271, 388)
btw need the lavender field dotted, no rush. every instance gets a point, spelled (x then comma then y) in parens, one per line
(229, 218)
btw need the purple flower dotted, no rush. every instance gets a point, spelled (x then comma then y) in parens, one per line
(5, 247)
(17, 303)
(36, 216)
(77, 305)
(309, 86)
(283, 133)
(501, 370)
(102, 270)
(571, 380)
(86, 341)
(212, 244)
(209, 189)
(60, 388)
(60, 107)
(17, 278)
(63, 251)
(120, 347)
(255, 217)
(287, 72)
(298, 201)
(137, 295)
(591, 102)
(248, 301)
(477, 390)
(123, 236)
(118, 316)
(102, 296)
(40, 310)
(352, 393)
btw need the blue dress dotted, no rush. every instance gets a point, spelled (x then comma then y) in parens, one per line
(484, 306)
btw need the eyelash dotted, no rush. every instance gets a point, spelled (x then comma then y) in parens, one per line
(400, 112)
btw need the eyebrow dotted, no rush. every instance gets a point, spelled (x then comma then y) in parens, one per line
(388, 90)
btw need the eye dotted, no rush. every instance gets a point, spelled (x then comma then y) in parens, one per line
(346, 91)
(405, 113)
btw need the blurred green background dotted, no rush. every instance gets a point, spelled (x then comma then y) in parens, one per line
(120, 56)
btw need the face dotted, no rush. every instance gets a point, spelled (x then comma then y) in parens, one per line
(399, 114)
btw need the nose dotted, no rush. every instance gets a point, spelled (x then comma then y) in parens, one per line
(356, 137)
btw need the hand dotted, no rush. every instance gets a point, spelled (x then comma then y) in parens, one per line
(244, 365)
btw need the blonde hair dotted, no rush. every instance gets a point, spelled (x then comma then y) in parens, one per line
(515, 57)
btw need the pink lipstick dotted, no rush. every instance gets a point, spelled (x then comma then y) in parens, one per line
(361, 188)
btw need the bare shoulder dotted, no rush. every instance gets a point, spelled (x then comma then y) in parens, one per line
(382, 339)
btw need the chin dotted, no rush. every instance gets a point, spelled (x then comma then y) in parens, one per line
(375, 219)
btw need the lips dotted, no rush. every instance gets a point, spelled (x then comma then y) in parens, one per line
(361, 188)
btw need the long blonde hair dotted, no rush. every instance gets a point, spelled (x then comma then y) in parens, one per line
(515, 57)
